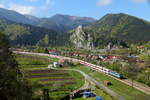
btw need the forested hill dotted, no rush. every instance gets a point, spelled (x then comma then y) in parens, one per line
(122, 27)
(23, 34)
(116, 28)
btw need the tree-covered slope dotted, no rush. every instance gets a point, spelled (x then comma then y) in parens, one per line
(116, 29)
(122, 27)
(21, 34)
(12, 84)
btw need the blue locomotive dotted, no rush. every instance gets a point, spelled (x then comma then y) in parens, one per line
(115, 74)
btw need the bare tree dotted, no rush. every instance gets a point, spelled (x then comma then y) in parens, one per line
(131, 71)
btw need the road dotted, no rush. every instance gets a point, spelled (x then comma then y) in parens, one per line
(137, 85)
(87, 77)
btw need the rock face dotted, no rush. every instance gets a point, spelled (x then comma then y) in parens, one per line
(81, 39)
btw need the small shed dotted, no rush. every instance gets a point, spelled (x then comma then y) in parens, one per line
(55, 64)
(107, 83)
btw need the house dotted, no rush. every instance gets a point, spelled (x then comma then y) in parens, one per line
(53, 52)
(102, 50)
(110, 58)
(83, 55)
(57, 64)
(94, 57)
(61, 61)
(71, 54)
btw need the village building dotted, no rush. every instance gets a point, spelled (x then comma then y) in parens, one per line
(53, 52)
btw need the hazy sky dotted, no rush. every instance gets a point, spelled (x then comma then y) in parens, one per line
(88, 8)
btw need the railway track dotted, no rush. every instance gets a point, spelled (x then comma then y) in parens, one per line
(139, 86)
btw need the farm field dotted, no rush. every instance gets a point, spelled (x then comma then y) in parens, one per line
(32, 61)
(124, 90)
(59, 83)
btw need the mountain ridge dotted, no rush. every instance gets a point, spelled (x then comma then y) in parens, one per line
(58, 22)
(13, 16)
(111, 27)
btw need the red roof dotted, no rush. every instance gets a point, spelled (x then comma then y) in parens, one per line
(110, 58)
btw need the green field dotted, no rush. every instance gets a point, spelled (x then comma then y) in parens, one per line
(66, 81)
(59, 83)
(28, 62)
(122, 89)
(31, 61)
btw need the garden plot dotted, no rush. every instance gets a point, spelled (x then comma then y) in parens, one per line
(56, 80)
(59, 83)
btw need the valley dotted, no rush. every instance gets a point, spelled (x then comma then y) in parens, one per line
(100, 76)
(74, 52)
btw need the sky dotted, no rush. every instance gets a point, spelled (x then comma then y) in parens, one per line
(83, 8)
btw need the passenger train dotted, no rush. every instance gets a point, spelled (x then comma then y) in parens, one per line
(92, 66)
(102, 69)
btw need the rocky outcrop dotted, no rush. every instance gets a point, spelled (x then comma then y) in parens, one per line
(81, 39)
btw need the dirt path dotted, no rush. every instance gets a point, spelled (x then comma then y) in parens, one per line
(85, 86)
